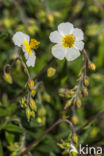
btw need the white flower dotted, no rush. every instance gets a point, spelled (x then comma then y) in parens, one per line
(22, 40)
(68, 42)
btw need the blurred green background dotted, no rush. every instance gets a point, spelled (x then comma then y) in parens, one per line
(38, 18)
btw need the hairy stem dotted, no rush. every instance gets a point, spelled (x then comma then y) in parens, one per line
(47, 131)
(90, 120)
(83, 71)
(35, 78)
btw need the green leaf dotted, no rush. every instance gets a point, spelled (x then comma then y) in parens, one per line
(1, 149)
(2, 112)
(100, 58)
(52, 154)
(63, 134)
(9, 137)
(13, 128)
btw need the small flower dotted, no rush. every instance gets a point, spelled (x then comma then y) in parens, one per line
(21, 39)
(68, 42)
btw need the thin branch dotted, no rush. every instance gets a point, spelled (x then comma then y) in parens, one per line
(83, 71)
(26, 69)
(45, 3)
(46, 132)
(13, 63)
(21, 13)
(93, 118)
(35, 78)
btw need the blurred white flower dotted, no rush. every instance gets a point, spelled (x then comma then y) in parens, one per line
(68, 42)
(22, 40)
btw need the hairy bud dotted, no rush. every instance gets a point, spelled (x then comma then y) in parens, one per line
(68, 103)
(78, 103)
(23, 102)
(8, 78)
(75, 138)
(33, 92)
(92, 66)
(75, 120)
(33, 105)
(51, 72)
(28, 113)
(68, 92)
(85, 91)
(31, 84)
(86, 81)
(47, 97)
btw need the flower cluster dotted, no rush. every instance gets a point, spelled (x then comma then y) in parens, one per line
(67, 38)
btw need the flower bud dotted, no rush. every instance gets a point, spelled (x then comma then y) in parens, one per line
(51, 19)
(47, 97)
(61, 92)
(28, 113)
(85, 91)
(51, 72)
(86, 81)
(92, 66)
(80, 95)
(68, 92)
(23, 102)
(33, 105)
(75, 138)
(33, 114)
(8, 78)
(33, 92)
(41, 112)
(68, 103)
(75, 120)
(78, 103)
(31, 84)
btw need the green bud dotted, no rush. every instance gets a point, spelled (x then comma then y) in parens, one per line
(33, 105)
(28, 113)
(68, 103)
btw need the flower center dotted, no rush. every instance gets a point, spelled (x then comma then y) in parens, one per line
(68, 41)
(33, 45)
(27, 47)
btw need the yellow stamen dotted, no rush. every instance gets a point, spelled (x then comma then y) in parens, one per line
(34, 44)
(68, 41)
(27, 47)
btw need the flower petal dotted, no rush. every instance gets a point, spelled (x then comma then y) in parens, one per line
(55, 37)
(79, 45)
(72, 54)
(25, 52)
(19, 38)
(65, 28)
(31, 59)
(59, 51)
(78, 33)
